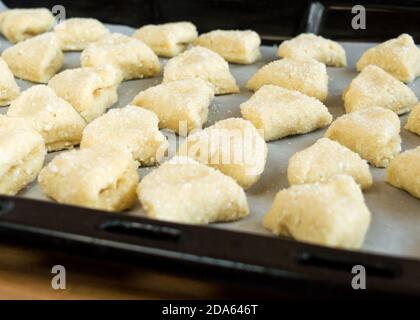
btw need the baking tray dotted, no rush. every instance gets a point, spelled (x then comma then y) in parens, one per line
(391, 252)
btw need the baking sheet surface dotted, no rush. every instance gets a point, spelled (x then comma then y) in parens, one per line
(395, 227)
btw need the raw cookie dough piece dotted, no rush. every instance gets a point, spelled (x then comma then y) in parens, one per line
(307, 76)
(404, 172)
(413, 123)
(232, 146)
(36, 59)
(374, 133)
(181, 105)
(22, 153)
(89, 90)
(134, 58)
(184, 191)
(54, 118)
(331, 213)
(323, 160)
(20, 24)
(102, 178)
(132, 127)
(76, 33)
(281, 112)
(9, 89)
(235, 46)
(168, 39)
(309, 45)
(400, 57)
(199, 62)
(373, 87)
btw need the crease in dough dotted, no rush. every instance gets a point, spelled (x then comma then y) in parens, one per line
(103, 178)
(309, 45)
(131, 127)
(76, 34)
(200, 62)
(307, 76)
(331, 213)
(91, 91)
(54, 118)
(185, 191)
(181, 105)
(9, 89)
(36, 59)
(20, 24)
(131, 56)
(280, 112)
(399, 57)
(233, 146)
(404, 172)
(22, 154)
(168, 39)
(236, 46)
(374, 87)
(324, 159)
(413, 122)
(374, 133)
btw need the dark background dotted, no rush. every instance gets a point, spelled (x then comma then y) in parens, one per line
(273, 20)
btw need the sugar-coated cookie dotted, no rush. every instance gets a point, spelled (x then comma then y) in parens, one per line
(181, 105)
(132, 127)
(104, 178)
(233, 146)
(9, 89)
(309, 45)
(200, 62)
(131, 56)
(22, 154)
(168, 39)
(307, 76)
(237, 46)
(413, 122)
(36, 59)
(185, 191)
(281, 112)
(331, 213)
(400, 57)
(374, 133)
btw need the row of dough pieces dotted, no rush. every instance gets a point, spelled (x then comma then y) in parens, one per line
(273, 206)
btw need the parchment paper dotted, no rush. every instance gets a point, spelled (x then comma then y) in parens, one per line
(395, 227)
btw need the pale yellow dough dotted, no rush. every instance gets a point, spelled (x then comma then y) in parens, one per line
(101, 178)
(54, 118)
(233, 146)
(9, 89)
(22, 154)
(131, 56)
(404, 172)
(307, 76)
(413, 123)
(91, 91)
(199, 62)
(76, 34)
(184, 191)
(374, 87)
(331, 213)
(237, 46)
(324, 159)
(168, 39)
(36, 59)
(181, 105)
(400, 57)
(132, 127)
(374, 133)
(309, 45)
(20, 24)
(281, 112)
